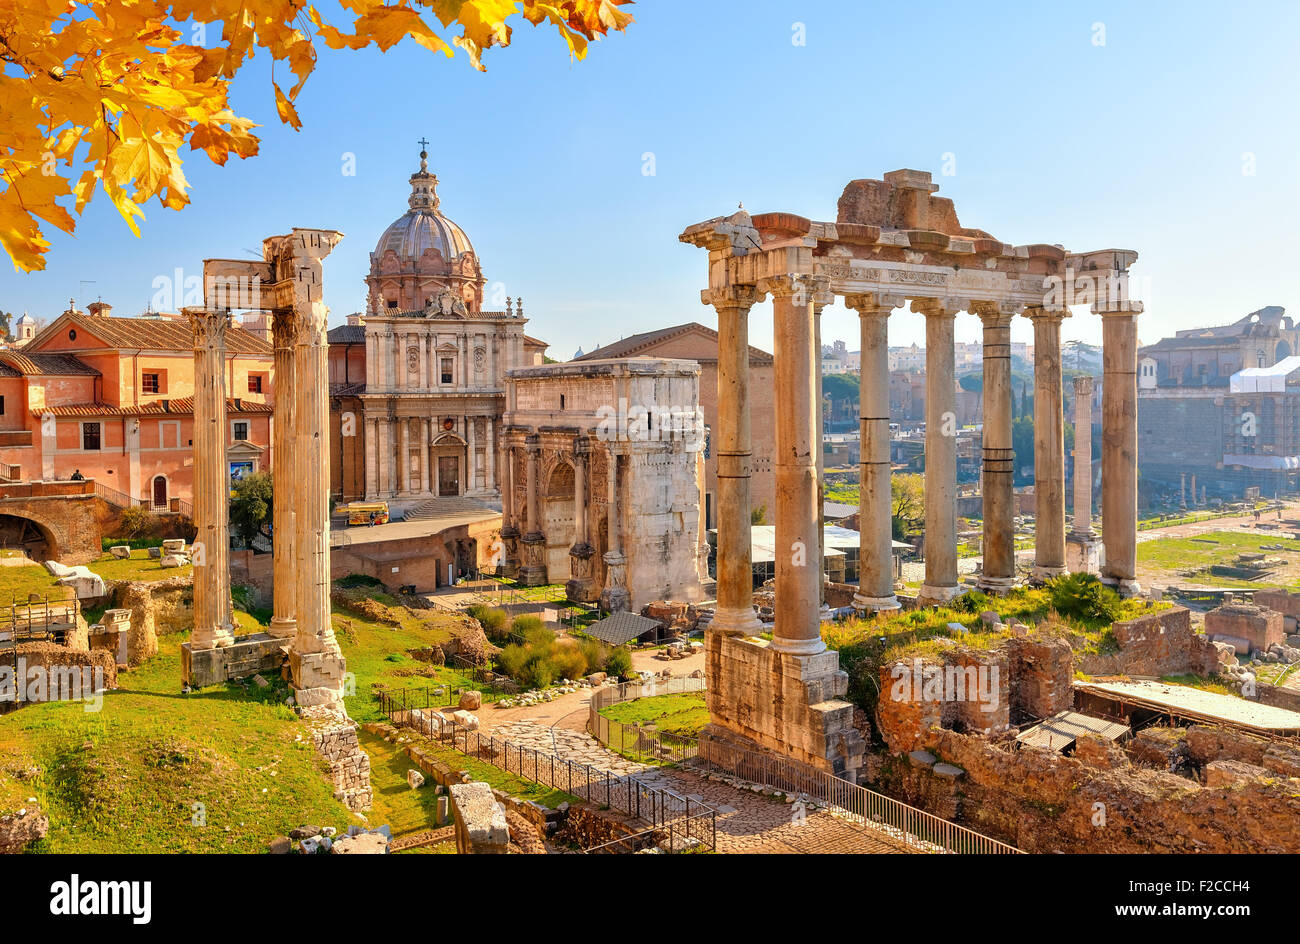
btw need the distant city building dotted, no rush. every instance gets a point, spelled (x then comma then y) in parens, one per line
(1222, 405)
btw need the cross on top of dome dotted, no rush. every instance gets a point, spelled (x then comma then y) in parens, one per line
(424, 194)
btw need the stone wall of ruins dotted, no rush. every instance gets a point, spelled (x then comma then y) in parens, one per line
(1043, 802)
(1161, 643)
(349, 765)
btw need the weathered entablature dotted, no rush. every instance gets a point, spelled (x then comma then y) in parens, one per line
(894, 242)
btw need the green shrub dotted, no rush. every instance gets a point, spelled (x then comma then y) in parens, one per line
(569, 662)
(524, 623)
(593, 653)
(492, 620)
(619, 662)
(972, 601)
(1083, 597)
(511, 660)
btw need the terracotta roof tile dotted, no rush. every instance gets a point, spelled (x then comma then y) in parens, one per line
(181, 406)
(644, 343)
(164, 334)
(64, 365)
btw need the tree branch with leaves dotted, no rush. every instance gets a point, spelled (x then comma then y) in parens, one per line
(115, 87)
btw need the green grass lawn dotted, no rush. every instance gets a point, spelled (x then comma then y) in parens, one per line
(681, 714)
(1178, 555)
(128, 777)
(139, 566)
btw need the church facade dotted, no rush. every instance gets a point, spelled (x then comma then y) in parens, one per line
(418, 382)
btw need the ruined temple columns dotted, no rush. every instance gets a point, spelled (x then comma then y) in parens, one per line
(284, 625)
(1081, 543)
(614, 596)
(1049, 445)
(940, 453)
(797, 629)
(998, 573)
(1119, 443)
(212, 606)
(533, 572)
(875, 504)
(734, 615)
(506, 556)
(315, 661)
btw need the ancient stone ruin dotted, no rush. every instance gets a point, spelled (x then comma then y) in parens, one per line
(893, 242)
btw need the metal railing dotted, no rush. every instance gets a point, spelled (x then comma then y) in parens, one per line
(907, 824)
(634, 741)
(120, 499)
(679, 836)
(655, 806)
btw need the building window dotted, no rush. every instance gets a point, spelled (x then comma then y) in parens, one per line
(149, 383)
(254, 383)
(240, 428)
(90, 440)
(446, 370)
(392, 304)
(2, 405)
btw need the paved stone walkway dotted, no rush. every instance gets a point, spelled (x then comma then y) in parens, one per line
(747, 821)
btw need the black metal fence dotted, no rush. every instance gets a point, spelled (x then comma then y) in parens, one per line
(633, 741)
(655, 806)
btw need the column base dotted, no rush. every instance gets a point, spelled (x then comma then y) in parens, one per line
(1042, 574)
(532, 575)
(1124, 586)
(581, 590)
(1081, 556)
(995, 585)
(283, 628)
(798, 647)
(615, 600)
(317, 677)
(940, 595)
(736, 623)
(866, 604)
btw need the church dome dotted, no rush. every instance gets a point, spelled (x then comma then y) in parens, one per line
(422, 226)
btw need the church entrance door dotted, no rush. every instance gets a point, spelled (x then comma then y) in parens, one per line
(448, 476)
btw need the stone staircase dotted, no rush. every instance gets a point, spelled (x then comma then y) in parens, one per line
(438, 507)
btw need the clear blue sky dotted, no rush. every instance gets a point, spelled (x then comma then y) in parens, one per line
(1137, 143)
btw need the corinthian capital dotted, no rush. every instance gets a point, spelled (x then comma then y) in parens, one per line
(873, 303)
(732, 296)
(802, 289)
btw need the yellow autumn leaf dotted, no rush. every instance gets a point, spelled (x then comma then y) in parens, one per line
(288, 114)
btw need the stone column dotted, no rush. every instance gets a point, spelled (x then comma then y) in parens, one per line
(533, 573)
(316, 664)
(1182, 486)
(875, 503)
(1083, 457)
(940, 453)
(999, 546)
(734, 615)
(471, 456)
(614, 596)
(1049, 445)
(426, 480)
(403, 455)
(798, 578)
(212, 606)
(1119, 444)
(820, 301)
(373, 455)
(490, 454)
(581, 587)
(284, 335)
(1081, 543)
(509, 551)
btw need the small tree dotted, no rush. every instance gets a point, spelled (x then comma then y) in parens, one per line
(136, 522)
(758, 515)
(250, 506)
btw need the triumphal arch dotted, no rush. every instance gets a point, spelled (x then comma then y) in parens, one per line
(893, 242)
